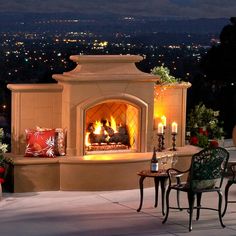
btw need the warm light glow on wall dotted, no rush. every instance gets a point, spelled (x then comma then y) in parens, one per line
(132, 125)
(163, 120)
(160, 110)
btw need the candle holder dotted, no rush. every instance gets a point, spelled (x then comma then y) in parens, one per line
(160, 138)
(173, 141)
(163, 139)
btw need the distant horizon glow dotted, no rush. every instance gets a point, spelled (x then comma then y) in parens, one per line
(129, 8)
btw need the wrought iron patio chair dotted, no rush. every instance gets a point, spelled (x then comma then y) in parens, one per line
(205, 175)
(232, 180)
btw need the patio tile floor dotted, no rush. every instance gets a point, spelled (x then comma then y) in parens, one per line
(106, 213)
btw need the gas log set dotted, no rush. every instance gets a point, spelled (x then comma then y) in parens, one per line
(104, 135)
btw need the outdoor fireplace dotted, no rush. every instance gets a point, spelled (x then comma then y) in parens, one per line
(105, 92)
(110, 110)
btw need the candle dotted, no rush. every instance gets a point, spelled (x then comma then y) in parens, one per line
(174, 127)
(163, 120)
(156, 120)
(160, 129)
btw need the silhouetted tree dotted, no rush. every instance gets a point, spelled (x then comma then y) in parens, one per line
(219, 67)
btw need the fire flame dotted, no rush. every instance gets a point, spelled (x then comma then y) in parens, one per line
(87, 143)
(113, 124)
(98, 129)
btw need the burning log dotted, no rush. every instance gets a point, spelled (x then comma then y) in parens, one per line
(104, 132)
(122, 130)
(115, 138)
(119, 138)
(97, 138)
(109, 130)
(107, 147)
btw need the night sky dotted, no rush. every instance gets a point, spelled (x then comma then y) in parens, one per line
(157, 8)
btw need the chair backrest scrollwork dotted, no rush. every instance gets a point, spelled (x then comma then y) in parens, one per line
(208, 168)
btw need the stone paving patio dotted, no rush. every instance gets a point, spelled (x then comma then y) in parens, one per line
(107, 213)
(104, 213)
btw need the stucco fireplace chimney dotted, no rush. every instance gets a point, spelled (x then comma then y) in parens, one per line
(108, 85)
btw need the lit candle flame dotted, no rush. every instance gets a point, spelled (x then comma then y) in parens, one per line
(160, 129)
(174, 127)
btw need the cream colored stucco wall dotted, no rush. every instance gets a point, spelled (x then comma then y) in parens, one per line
(171, 101)
(33, 105)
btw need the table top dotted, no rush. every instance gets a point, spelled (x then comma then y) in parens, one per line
(148, 173)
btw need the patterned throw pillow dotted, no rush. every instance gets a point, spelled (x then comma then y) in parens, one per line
(60, 140)
(40, 143)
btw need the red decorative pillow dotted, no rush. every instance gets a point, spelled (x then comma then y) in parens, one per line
(40, 143)
(60, 140)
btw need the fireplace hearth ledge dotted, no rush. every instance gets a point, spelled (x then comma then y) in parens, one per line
(73, 173)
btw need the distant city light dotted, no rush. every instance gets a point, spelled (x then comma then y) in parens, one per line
(43, 49)
(128, 18)
(103, 44)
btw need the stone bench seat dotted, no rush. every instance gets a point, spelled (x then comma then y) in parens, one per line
(91, 172)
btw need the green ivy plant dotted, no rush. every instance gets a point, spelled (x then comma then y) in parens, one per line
(164, 74)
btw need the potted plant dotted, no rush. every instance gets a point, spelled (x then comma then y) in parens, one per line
(6, 165)
(3, 149)
(203, 126)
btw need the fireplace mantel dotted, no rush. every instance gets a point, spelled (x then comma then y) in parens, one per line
(107, 68)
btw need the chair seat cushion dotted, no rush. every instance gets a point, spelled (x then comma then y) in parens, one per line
(196, 185)
(203, 184)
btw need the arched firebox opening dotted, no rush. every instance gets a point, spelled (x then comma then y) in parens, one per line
(112, 126)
